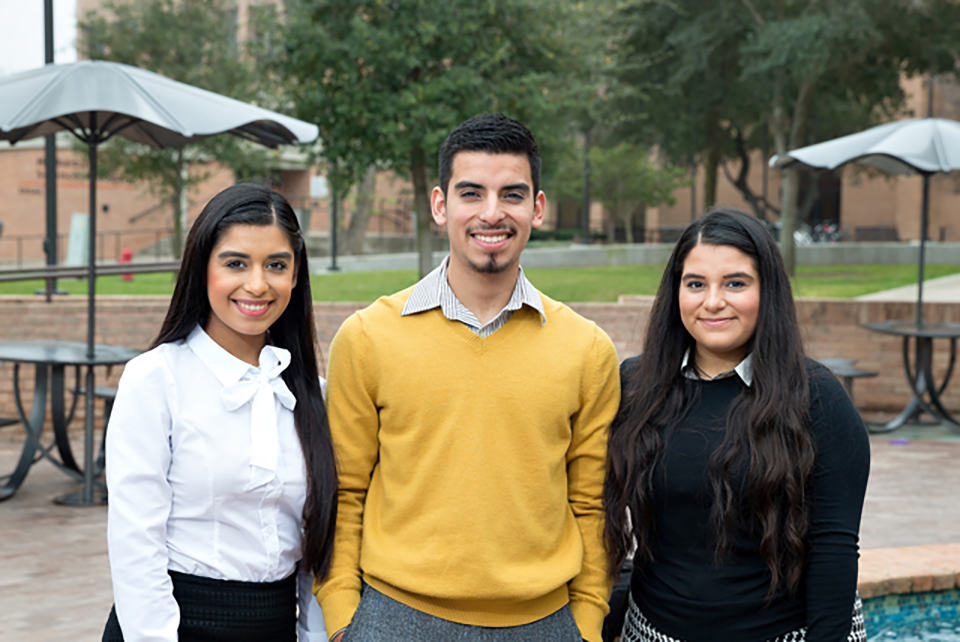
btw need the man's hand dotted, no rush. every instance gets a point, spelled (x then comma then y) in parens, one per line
(337, 637)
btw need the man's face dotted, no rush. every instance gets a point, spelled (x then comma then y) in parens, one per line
(489, 210)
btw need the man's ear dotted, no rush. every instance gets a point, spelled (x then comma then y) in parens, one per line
(438, 206)
(539, 209)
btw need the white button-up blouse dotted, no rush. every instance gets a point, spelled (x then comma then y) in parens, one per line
(205, 476)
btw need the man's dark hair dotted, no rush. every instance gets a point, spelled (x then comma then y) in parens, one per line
(493, 134)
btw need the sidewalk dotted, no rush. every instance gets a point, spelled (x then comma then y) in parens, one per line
(946, 289)
(55, 578)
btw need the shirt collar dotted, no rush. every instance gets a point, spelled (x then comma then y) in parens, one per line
(433, 290)
(744, 369)
(227, 368)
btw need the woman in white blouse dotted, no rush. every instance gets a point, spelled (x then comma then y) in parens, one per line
(221, 473)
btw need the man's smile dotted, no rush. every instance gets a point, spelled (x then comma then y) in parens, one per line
(492, 240)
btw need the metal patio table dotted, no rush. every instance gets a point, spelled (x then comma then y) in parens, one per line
(51, 360)
(926, 392)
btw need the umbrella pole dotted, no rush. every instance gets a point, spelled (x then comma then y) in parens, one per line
(923, 242)
(91, 319)
(92, 240)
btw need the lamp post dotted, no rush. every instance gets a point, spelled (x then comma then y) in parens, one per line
(333, 229)
(586, 187)
(693, 187)
(50, 159)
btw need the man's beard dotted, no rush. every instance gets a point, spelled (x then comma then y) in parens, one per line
(491, 266)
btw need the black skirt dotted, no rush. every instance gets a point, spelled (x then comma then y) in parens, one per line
(228, 611)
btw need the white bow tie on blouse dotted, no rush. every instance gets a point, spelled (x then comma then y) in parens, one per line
(262, 387)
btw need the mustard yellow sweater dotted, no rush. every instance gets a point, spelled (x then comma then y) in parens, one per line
(471, 469)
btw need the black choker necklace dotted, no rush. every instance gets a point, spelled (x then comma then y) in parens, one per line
(703, 374)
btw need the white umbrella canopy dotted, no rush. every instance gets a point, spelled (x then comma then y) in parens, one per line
(138, 104)
(919, 145)
(916, 146)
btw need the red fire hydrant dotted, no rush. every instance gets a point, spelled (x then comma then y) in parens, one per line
(126, 256)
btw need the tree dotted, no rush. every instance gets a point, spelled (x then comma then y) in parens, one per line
(363, 207)
(628, 182)
(585, 93)
(709, 78)
(806, 52)
(625, 179)
(387, 80)
(192, 41)
(678, 80)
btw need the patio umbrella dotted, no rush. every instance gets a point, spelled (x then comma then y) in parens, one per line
(97, 100)
(917, 146)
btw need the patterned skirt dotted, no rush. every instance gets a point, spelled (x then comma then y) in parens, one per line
(637, 628)
(228, 611)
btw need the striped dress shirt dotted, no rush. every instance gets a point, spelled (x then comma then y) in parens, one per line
(433, 291)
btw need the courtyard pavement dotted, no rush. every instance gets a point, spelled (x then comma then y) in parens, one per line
(945, 289)
(55, 579)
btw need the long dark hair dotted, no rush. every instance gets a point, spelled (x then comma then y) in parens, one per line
(766, 428)
(294, 331)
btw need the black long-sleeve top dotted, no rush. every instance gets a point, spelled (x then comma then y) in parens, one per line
(687, 595)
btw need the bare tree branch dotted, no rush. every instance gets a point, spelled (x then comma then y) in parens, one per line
(757, 202)
(753, 12)
(799, 121)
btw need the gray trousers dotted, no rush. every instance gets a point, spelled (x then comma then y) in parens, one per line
(382, 619)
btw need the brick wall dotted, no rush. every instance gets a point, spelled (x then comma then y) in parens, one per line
(831, 329)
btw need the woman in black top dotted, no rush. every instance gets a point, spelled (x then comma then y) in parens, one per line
(737, 467)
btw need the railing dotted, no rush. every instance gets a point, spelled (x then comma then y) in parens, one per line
(154, 238)
(65, 272)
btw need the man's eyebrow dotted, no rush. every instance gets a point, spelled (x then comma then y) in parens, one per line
(466, 184)
(516, 187)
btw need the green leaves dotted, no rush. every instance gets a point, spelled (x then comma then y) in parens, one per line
(693, 75)
(383, 77)
(195, 42)
(626, 173)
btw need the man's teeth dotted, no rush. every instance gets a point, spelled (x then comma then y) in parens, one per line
(492, 239)
(253, 307)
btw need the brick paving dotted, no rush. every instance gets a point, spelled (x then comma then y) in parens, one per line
(54, 574)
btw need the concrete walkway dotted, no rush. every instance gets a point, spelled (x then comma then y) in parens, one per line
(55, 578)
(573, 255)
(946, 289)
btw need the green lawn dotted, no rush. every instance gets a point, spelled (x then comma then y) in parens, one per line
(842, 282)
(159, 283)
(564, 284)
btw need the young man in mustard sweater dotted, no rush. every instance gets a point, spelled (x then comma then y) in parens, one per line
(469, 415)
